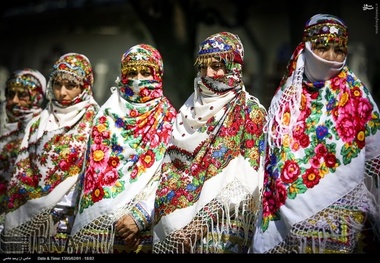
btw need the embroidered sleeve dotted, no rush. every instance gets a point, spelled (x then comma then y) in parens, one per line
(142, 218)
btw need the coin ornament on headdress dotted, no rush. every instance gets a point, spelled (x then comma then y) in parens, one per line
(76, 65)
(27, 78)
(326, 29)
(224, 45)
(143, 55)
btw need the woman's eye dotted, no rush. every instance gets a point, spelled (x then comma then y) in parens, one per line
(145, 73)
(321, 49)
(68, 85)
(24, 95)
(217, 66)
(339, 51)
(201, 67)
(132, 73)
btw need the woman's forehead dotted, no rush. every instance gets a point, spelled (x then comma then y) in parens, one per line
(16, 88)
(329, 44)
(61, 75)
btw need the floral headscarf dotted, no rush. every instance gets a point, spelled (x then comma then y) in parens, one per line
(143, 55)
(141, 91)
(323, 28)
(73, 67)
(127, 145)
(51, 154)
(35, 84)
(227, 47)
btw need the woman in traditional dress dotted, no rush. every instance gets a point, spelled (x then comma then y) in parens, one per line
(321, 191)
(24, 99)
(126, 149)
(211, 179)
(41, 192)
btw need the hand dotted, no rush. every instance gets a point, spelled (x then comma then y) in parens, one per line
(128, 230)
(189, 235)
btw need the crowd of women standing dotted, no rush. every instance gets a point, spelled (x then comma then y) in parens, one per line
(219, 175)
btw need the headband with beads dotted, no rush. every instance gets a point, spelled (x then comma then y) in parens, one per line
(142, 55)
(27, 78)
(326, 29)
(76, 65)
(224, 45)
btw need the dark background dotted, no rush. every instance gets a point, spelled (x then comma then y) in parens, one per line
(34, 33)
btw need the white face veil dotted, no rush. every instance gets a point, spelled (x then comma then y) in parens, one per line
(319, 69)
